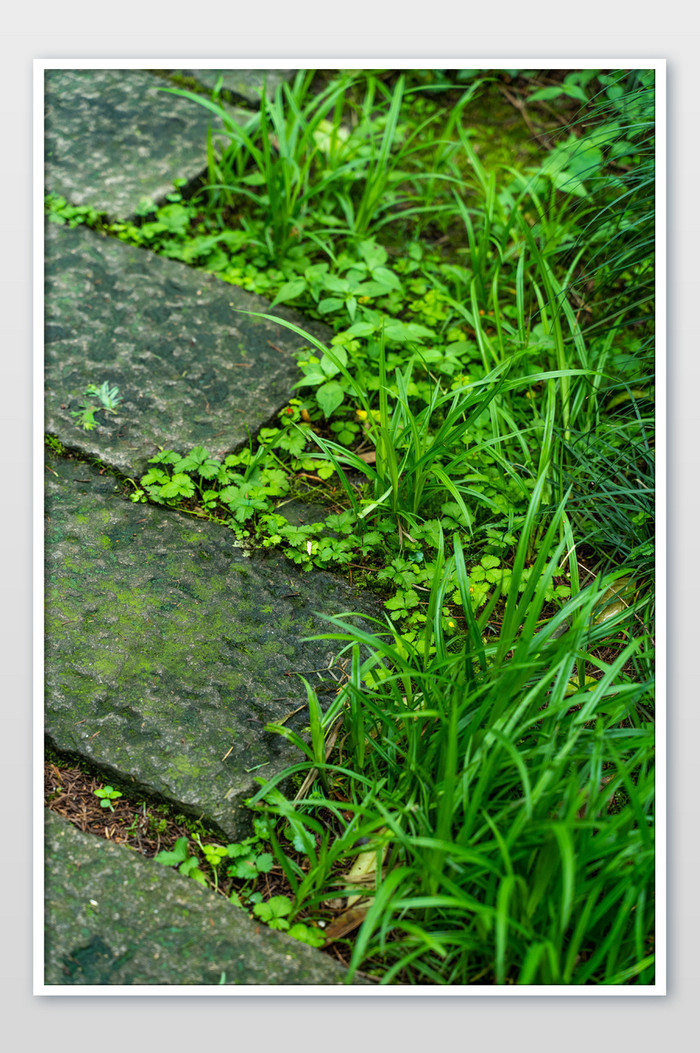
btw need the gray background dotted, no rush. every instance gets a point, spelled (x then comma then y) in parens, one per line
(321, 32)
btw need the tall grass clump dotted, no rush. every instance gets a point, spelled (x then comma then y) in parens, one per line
(506, 793)
(322, 164)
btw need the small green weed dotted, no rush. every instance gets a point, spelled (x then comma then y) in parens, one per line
(243, 484)
(246, 861)
(108, 399)
(107, 795)
(180, 857)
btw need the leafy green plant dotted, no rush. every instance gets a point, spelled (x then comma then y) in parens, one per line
(59, 211)
(419, 457)
(180, 857)
(250, 861)
(212, 482)
(107, 795)
(85, 416)
(108, 398)
(354, 280)
(275, 913)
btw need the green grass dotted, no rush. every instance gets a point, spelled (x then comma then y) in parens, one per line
(514, 793)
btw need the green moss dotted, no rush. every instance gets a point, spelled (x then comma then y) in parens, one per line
(185, 766)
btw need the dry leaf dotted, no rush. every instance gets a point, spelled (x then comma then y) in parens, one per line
(363, 870)
(615, 599)
(345, 923)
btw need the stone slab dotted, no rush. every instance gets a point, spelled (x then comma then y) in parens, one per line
(169, 649)
(114, 136)
(190, 369)
(244, 85)
(114, 918)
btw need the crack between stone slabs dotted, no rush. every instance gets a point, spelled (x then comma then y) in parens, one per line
(249, 549)
(136, 789)
(104, 220)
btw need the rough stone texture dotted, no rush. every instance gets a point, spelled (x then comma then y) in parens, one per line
(113, 137)
(168, 648)
(114, 918)
(245, 85)
(190, 369)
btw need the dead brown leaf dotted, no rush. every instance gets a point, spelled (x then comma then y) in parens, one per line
(346, 922)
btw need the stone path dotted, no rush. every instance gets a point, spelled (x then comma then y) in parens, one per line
(190, 368)
(168, 648)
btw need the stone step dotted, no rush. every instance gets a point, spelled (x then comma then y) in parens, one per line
(191, 369)
(114, 918)
(114, 137)
(245, 85)
(169, 649)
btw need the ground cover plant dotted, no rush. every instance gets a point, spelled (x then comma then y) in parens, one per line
(477, 803)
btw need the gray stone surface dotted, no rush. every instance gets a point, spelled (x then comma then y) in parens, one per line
(115, 918)
(191, 370)
(113, 137)
(245, 85)
(168, 649)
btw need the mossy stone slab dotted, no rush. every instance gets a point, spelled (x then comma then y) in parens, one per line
(191, 369)
(114, 918)
(169, 649)
(114, 137)
(244, 85)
